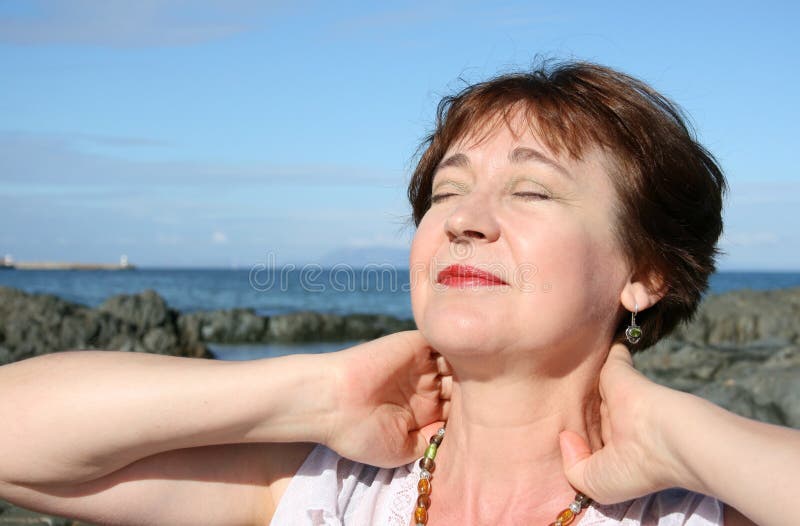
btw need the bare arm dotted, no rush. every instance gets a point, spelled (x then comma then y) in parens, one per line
(225, 485)
(749, 465)
(77, 416)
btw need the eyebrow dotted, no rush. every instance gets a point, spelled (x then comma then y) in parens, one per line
(523, 155)
(518, 155)
(458, 160)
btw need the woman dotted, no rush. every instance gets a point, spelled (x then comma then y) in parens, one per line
(558, 212)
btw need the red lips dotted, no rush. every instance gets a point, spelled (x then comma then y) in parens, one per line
(463, 275)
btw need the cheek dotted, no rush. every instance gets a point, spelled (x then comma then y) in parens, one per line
(422, 252)
(573, 268)
(554, 249)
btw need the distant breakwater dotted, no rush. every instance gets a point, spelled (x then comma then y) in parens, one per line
(741, 351)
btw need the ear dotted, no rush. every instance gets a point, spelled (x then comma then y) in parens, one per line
(643, 290)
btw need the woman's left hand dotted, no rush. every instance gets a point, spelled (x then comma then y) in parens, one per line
(656, 438)
(634, 459)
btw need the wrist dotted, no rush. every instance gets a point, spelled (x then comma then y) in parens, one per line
(298, 395)
(683, 434)
(339, 381)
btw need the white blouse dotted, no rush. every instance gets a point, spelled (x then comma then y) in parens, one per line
(329, 490)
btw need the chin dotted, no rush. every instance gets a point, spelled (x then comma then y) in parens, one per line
(460, 330)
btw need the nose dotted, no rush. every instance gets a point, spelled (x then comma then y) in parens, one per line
(473, 219)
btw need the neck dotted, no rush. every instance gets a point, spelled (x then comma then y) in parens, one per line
(500, 462)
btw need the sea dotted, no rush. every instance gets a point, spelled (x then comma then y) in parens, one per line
(375, 290)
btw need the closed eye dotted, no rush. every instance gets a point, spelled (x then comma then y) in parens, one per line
(440, 197)
(532, 195)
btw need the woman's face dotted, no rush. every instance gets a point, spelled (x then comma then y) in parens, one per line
(541, 223)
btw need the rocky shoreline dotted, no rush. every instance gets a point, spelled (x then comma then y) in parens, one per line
(742, 350)
(33, 324)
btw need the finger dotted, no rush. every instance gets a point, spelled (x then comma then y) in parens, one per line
(575, 454)
(605, 423)
(618, 359)
(619, 353)
(445, 410)
(445, 387)
(442, 366)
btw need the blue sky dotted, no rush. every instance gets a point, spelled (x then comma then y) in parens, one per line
(213, 133)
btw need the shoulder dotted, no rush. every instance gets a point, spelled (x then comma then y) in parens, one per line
(672, 507)
(330, 489)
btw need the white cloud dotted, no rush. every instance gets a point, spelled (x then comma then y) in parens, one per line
(219, 237)
(760, 231)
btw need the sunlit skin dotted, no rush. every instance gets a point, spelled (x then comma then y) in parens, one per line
(526, 355)
(544, 233)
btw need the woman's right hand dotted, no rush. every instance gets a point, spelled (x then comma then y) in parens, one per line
(390, 395)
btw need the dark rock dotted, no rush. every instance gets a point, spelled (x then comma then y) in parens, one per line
(369, 326)
(740, 400)
(231, 326)
(740, 351)
(313, 326)
(5, 356)
(769, 317)
(244, 326)
(755, 381)
(14, 515)
(685, 367)
(778, 385)
(144, 311)
(306, 326)
(160, 340)
(33, 324)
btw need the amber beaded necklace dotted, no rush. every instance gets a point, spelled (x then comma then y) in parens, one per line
(427, 464)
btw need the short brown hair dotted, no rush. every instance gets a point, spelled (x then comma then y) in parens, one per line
(669, 187)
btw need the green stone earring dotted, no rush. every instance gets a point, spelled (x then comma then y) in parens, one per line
(634, 333)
